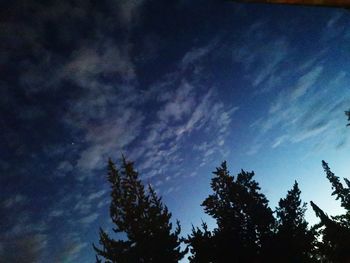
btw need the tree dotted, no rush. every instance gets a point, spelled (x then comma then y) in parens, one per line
(335, 230)
(201, 244)
(141, 216)
(244, 220)
(294, 242)
(347, 113)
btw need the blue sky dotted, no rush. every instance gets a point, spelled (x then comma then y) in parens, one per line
(178, 88)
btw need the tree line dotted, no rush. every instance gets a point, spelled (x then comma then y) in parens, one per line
(247, 230)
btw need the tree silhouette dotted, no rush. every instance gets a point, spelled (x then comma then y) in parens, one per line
(294, 242)
(347, 113)
(201, 245)
(141, 216)
(335, 230)
(244, 220)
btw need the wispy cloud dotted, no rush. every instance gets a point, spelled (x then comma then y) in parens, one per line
(128, 11)
(109, 137)
(23, 249)
(80, 82)
(261, 63)
(72, 247)
(104, 57)
(13, 201)
(197, 54)
(305, 111)
(97, 195)
(306, 82)
(89, 219)
(182, 109)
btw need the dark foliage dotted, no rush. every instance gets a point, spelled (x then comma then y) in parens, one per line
(347, 113)
(244, 220)
(294, 241)
(335, 231)
(246, 229)
(201, 245)
(142, 217)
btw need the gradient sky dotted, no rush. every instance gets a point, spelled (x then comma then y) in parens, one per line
(177, 87)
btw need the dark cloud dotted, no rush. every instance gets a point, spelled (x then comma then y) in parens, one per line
(26, 249)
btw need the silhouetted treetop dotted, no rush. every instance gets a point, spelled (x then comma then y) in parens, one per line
(347, 113)
(142, 217)
(294, 242)
(244, 220)
(341, 192)
(335, 230)
(201, 245)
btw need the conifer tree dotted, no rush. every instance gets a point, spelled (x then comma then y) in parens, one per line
(141, 216)
(244, 220)
(335, 230)
(201, 245)
(347, 113)
(294, 242)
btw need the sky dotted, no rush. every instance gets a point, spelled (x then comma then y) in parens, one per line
(176, 86)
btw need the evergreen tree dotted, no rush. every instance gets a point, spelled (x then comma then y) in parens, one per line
(347, 113)
(244, 220)
(335, 230)
(294, 242)
(201, 245)
(142, 217)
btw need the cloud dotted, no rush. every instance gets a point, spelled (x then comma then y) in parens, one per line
(305, 111)
(180, 104)
(180, 109)
(129, 11)
(56, 213)
(72, 247)
(199, 116)
(279, 140)
(109, 137)
(306, 134)
(272, 56)
(196, 54)
(334, 28)
(254, 148)
(26, 249)
(261, 63)
(306, 82)
(184, 109)
(13, 201)
(93, 99)
(82, 206)
(104, 57)
(97, 195)
(89, 219)
(64, 167)
(75, 249)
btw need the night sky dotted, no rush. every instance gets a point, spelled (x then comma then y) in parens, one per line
(176, 86)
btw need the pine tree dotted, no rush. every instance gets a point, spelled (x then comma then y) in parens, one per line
(201, 245)
(142, 217)
(244, 220)
(294, 242)
(335, 230)
(347, 113)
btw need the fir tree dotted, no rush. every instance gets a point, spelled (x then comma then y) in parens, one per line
(244, 220)
(201, 245)
(335, 230)
(294, 242)
(347, 113)
(142, 217)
